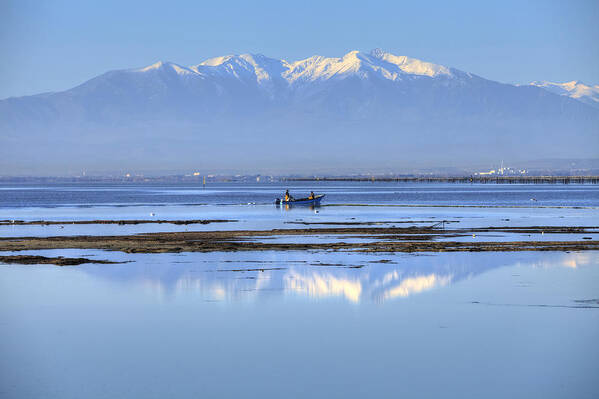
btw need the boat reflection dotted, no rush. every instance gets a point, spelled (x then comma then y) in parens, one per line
(289, 207)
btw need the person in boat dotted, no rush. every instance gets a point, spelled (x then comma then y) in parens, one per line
(288, 196)
(311, 195)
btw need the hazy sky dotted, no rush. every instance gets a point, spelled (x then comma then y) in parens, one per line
(55, 45)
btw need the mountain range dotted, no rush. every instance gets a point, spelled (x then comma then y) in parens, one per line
(258, 114)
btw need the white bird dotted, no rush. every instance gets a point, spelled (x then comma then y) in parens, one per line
(152, 214)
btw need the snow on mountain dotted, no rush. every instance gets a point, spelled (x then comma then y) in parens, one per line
(259, 68)
(270, 73)
(574, 89)
(162, 66)
(364, 65)
(318, 68)
(411, 65)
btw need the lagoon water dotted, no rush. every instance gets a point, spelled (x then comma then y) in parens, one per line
(300, 324)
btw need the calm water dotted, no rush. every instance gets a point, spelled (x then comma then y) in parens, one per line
(19, 196)
(307, 324)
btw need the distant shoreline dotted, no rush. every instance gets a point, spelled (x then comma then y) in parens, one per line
(261, 179)
(464, 179)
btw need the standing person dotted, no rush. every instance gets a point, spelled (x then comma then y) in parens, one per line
(288, 196)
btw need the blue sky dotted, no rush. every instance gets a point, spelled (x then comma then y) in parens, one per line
(55, 45)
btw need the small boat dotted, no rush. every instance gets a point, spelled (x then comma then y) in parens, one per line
(301, 201)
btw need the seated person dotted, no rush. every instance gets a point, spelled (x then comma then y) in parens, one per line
(311, 195)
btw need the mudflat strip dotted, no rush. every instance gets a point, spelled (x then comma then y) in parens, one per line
(58, 261)
(384, 239)
(119, 222)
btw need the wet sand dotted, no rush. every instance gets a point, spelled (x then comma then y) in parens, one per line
(384, 240)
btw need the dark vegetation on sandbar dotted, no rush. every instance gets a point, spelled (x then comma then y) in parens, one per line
(58, 261)
(119, 222)
(383, 239)
(369, 223)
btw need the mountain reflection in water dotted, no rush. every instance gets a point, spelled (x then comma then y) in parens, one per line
(318, 275)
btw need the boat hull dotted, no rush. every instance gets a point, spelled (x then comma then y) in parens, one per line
(302, 201)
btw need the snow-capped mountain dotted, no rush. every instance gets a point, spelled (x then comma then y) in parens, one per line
(258, 113)
(263, 70)
(574, 89)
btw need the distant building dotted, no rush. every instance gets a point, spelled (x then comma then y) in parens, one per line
(503, 171)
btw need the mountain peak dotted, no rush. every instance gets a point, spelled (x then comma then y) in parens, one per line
(166, 66)
(364, 65)
(413, 66)
(377, 53)
(573, 89)
(216, 61)
(156, 65)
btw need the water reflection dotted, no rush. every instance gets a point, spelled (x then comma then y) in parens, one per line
(572, 260)
(317, 276)
(209, 286)
(392, 285)
(413, 285)
(319, 285)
